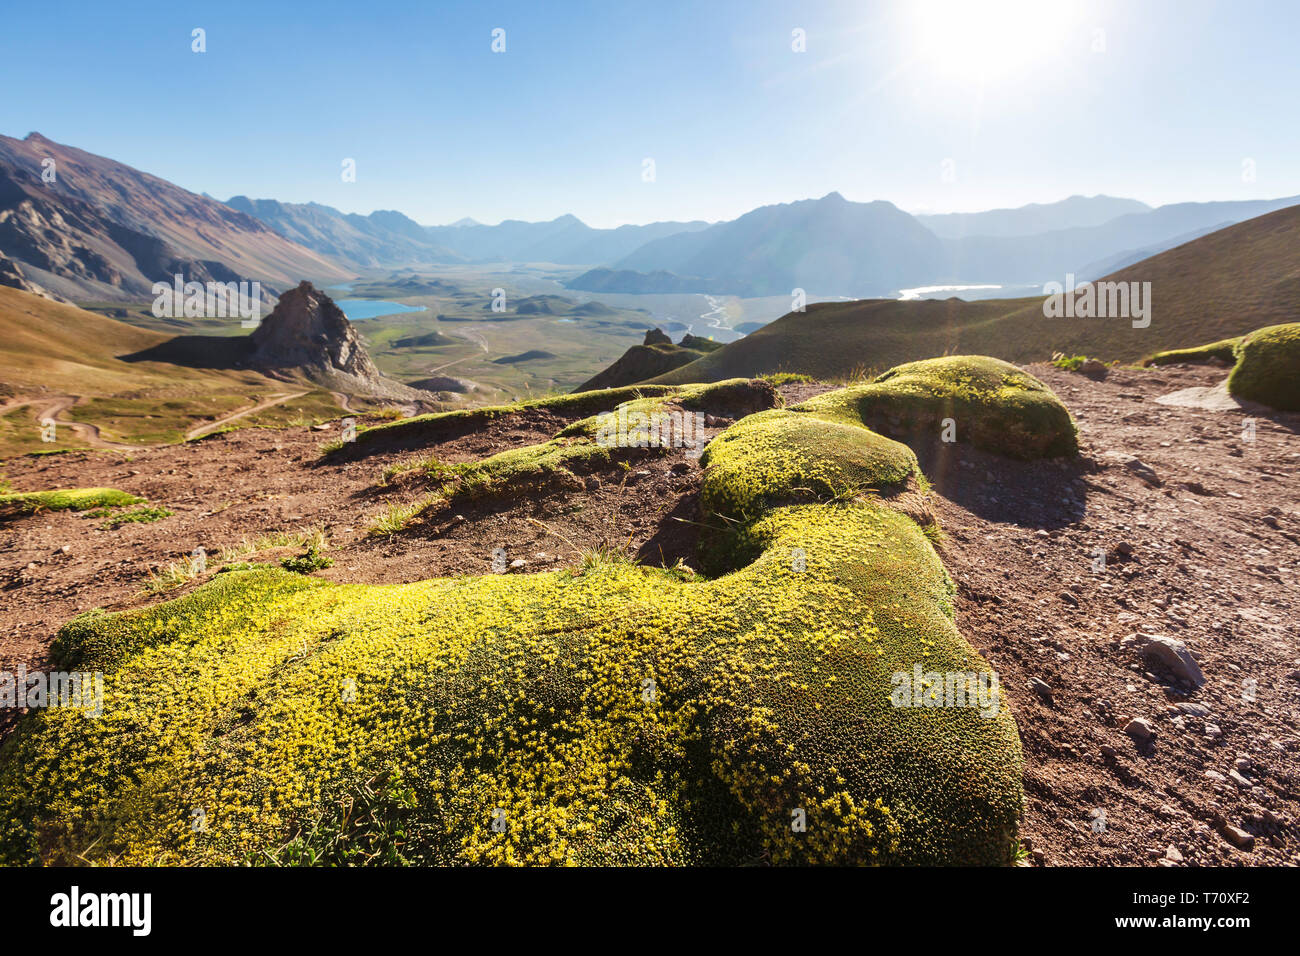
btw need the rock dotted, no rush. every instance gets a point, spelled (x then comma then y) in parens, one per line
(1093, 369)
(322, 427)
(1193, 709)
(1239, 780)
(1171, 853)
(1109, 752)
(1140, 729)
(518, 563)
(1139, 468)
(1041, 689)
(308, 334)
(1215, 776)
(1170, 652)
(1069, 598)
(1239, 837)
(12, 276)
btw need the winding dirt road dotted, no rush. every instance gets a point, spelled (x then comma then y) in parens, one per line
(53, 408)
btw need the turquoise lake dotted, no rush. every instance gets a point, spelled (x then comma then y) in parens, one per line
(357, 309)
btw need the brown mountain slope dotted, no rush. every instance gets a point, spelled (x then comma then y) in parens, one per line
(102, 229)
(95, 378)
(1220, 285)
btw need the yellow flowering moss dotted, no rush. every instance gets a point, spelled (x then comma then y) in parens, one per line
(993, 405)
(614, 714)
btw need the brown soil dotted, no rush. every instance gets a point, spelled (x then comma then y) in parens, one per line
(1213, 563)
(1208, 555)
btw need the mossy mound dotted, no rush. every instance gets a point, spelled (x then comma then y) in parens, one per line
(422, 430)
(1225, 350)
(264, 697)
(614, 714)
(68, 499)
(1268, 367)
(735, 395)
(780, 456)
(992, 404)
(637, 428)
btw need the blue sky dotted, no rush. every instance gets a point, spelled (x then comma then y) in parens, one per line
(920, 102)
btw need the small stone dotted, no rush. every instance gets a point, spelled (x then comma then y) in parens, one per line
(1142, 470)
(1193, 709)
(1109, 752)
(1170, 652)
(1239, 837)
(1093, 369)
(1041, 689)
(1140, 729)
(1239, 780)
(1215, 776)
(1171, 853)
(518, 563)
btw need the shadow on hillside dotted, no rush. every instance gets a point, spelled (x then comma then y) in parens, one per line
(197, 351)
(1032, 494)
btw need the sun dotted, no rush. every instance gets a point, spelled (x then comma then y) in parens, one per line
(988, 39)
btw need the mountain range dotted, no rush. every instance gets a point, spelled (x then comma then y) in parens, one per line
(1221, 285)
(831, 246)
(382, 239)
(87, 227)
(103, 231)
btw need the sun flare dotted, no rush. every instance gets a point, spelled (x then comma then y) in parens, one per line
(968, 39)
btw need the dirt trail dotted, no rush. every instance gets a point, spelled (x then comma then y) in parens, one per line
(235, 416)
(58, 405)
(90, 433)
